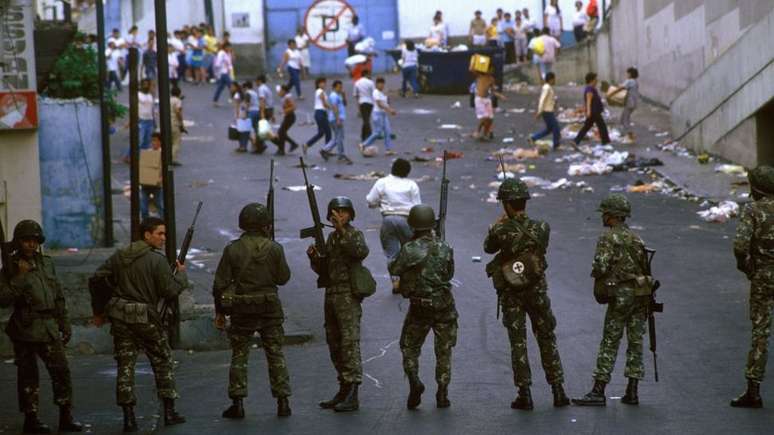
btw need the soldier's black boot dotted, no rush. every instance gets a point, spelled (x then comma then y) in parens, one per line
(442, 397)
(560, 398)
(171, 417)
(523, 400)
(66, 421)
(350, 403)
(130, 423)
(751, 398)
(236, 410)
(416, 388)
(33, 425)
(283, 407)
(338, 398)
(595, 397)
(630, 398)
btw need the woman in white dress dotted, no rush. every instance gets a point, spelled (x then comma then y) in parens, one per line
(302, 43)
(552, 18)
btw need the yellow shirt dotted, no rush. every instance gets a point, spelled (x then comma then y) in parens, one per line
(491, 32)
(210, 44)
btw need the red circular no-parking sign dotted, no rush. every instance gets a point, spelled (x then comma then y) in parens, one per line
(327, 21)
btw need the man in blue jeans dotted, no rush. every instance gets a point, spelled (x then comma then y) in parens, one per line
(223, 70)
(337, 114)
(545, 109)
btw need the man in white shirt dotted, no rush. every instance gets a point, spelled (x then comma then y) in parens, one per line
(355, 34)
(114, 64)
(394, 195)
(364, 93)
(222, 71)
(550, 49)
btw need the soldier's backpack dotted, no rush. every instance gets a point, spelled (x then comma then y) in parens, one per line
(233, 300)
(525, 269)
(361, 280)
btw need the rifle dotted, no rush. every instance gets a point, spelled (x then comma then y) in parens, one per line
(270, 198)
(653, 307)
(502, 166)
(316, 231)
(5, 253)
(165, 307)
(440, 225)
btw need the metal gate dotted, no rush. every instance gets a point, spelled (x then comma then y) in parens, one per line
(379, 19)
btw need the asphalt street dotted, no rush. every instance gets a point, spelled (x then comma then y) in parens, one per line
(703, 333)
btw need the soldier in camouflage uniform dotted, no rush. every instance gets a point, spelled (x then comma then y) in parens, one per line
(345, 246)
(142, 277)
(513, 237)
(39, 326)
(249, 272)
(619, 260)
(754, 251)
(425, 265)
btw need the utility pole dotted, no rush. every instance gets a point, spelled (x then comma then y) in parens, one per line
(134, 147)
(167, 170)
(107, 187)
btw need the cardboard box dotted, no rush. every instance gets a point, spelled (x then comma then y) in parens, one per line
(150, 167)
(615, 100)
(480, 63)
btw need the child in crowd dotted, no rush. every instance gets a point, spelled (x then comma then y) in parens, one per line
(485, 89)
(594, 110)
(321, 108)
(289, 118)
(492, 38)
(243, 124)
(152, 192)
(632, 89)
(337, 114)
(381, 121)
(546, 107)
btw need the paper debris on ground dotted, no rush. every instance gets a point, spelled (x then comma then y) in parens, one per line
(731, 169)
(720, 213)
(512, 167)
(492, 198)
(369, 176)
(201, 183)
(507, 140)
(544, 146)
(451, 155)
(422, 112)
(572, 115)
(456, 105)
(569, 158)
(594, 168)
(642, 187)
(428, 149)
(421, 159)
(450, 127)
(674, 148)
(517, 110)
(299, 188)
(423, 178)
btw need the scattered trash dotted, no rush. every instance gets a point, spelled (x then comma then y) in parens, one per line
(492, 198)
(596, 168)
(720, 213)
(456, 105)
(189, 123)
(674, 148)
(632, 162)
(507, 140)
(450, 127)
(476, 259)
(451, 155)
(299, 188)
(512, 167)
(517, 110)
(73, 250)
(427, 150)
(421, 159)
(506, 175)
(544, 146)
(423, 179)
(662, 134)
(731, 169)
(641, 187)
(422, 112)
(370, 176)
(703, 158)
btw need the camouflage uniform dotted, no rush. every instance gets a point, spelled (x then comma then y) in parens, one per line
(620, 254)
(255, 265)
(36, 327)
(425, 266)
(506, 240)
(143, 278)
(754, 251)
(342, 309)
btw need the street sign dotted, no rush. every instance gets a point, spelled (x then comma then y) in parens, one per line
(327, 21)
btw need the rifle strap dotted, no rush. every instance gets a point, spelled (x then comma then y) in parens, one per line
(525, 233)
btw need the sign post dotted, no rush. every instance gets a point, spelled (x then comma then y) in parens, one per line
(326, 22)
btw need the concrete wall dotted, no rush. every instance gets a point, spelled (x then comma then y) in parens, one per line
(248, 41)
(71, 173)
(672, 42)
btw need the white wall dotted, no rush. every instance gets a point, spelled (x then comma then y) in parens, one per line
(249, 35)
(416, 17)
(179, 14)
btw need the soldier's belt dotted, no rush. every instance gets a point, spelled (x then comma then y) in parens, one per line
(422, 302)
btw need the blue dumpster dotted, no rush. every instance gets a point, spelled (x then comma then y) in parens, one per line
(447, 73)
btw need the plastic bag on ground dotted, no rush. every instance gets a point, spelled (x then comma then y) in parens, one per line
(720, 213)
(264, 129)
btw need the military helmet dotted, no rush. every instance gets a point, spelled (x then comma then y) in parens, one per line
(28, 229)
(762, 180)
(254, 216)
(339, 202)
(421, 217)
(512, 189)
(616, 205)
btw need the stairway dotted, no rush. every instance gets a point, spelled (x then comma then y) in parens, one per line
(730, 91)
